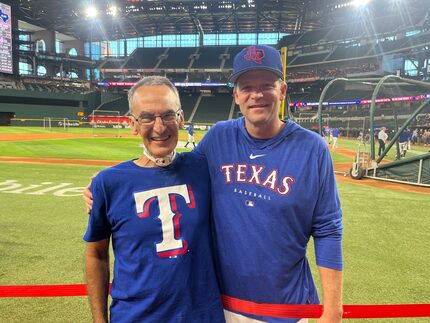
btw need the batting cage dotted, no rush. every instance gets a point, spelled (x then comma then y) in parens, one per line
(386, 114)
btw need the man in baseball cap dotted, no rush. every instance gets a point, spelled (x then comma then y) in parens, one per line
(273, 187)
(259, 89)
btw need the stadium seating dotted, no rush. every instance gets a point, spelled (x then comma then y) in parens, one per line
(314, 37)
(144, 58)
(177, 58)
(232, 51)
(177, 77)
(209, 57)
(213, 108)
(342, 52)
(111, 63)
(118, 104)
(310, 58)
(188, 101)
(290, 39)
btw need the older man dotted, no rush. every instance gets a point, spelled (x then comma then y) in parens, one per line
(156, 211)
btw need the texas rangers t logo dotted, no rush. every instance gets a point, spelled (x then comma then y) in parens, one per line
(255, 55)
(172, 244)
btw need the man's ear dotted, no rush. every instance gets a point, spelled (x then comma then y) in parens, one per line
(181, 120)
(235, 95)
(133, 126)
(284, 88)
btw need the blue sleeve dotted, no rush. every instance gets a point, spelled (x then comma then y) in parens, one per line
(99, 227)
(203, 147)
(327, 220)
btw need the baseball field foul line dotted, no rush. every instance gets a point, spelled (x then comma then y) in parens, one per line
(230, 303)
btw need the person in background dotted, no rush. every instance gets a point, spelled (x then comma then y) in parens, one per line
(191, 135)
(335, 136)
(156, 211)
(382, 138)
(326, 134)
(414, 137)
(404, 140)
(426, 137)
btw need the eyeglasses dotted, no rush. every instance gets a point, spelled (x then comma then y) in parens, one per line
(147, 119)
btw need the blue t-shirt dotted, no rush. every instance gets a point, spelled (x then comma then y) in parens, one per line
(269, 197)
(405, 135)
(158, 219)
(335, 132)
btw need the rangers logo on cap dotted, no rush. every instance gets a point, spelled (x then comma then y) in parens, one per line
(254, 54)
(257, 57)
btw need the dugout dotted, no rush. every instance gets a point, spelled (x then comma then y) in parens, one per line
(385, 92)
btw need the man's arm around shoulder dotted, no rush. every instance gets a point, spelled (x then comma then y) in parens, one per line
(97, 277)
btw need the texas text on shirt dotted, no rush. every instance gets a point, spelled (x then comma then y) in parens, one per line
(266, 205)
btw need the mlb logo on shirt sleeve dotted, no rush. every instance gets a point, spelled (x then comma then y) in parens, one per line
(249, 203)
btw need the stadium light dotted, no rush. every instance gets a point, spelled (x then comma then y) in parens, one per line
(360, 3)
(91, 12)
(113, 11)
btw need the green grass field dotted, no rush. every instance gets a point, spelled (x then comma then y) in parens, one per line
(93, 147)
(386, 233)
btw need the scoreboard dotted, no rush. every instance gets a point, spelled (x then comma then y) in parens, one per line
(6, 65)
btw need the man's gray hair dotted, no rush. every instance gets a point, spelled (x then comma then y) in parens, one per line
(154, 80)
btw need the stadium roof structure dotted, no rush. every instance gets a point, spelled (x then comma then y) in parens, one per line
(135, 18)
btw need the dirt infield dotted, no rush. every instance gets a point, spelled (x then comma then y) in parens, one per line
(339, 167)
(345, 152)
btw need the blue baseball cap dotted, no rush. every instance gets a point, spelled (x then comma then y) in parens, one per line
(257, 57)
